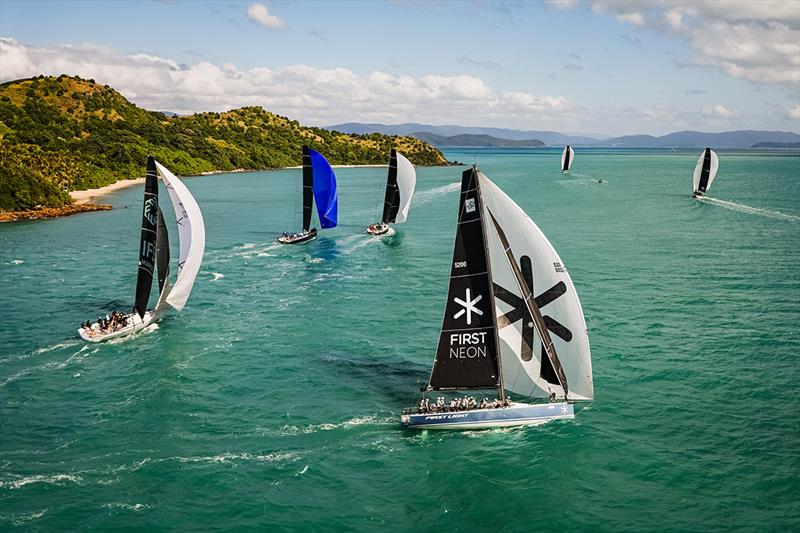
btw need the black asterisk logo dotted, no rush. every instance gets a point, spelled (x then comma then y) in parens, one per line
(519, 311)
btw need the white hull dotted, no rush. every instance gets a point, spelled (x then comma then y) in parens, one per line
(378, 230)
(135, 324)
(518, 414)
(298, 238)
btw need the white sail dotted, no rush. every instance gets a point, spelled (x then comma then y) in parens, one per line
(552, 288)
(406, 182)
(192, 236)
(567, 153)
(698, 170)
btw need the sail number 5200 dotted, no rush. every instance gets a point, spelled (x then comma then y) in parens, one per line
(459, 264)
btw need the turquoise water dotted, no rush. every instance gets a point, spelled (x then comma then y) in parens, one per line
(272, 401)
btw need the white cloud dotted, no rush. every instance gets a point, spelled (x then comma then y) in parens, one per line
(259, 14)
(794, 112)
(309, 94)
(757, 41)
(718, 111)
(637, 19)
(562, 5)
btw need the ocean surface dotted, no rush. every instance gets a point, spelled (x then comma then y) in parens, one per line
(272, 401)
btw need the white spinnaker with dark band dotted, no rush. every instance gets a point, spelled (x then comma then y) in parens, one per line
(192, 236)
(705, 171)
(527, 370)
(406, 182)
(567, 156)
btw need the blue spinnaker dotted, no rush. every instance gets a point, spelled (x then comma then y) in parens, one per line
(324, 190)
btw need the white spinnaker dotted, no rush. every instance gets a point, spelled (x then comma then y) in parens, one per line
(527, 240)
(569, 149)
(698, 170)
(406, 182)
(192, 236)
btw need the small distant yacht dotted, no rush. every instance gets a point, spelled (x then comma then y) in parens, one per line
(154, 255)
(566, 159)
(400, 186)
(319, 183)
(498, 334)
(704, 173)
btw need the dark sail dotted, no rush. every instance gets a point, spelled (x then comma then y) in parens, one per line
(391, 203)
(466, 356)
(706, 171)
(308, 188)
(162, 251)
(147, 243)
(567, 156)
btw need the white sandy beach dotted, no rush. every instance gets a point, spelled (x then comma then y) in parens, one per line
(82, 197)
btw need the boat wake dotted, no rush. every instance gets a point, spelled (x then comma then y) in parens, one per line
(146, 331)
(741, 208)
(423, 197)
(81, 354)
(249, 250)
(314, 428)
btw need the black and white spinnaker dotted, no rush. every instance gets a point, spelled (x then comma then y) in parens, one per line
(704, 173)
(400, 184)
(567, 156)
(154, 256)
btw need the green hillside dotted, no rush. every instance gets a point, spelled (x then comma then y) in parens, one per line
(66, 133)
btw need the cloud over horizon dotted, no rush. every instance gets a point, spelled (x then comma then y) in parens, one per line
(312, 95)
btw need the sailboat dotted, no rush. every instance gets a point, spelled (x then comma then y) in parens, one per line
(319, 183)
(399, 189)
(566, 159)
(154, 255)
(704, 172)
(513, 321)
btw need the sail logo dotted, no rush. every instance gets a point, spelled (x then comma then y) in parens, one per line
(468, 345)
(151, 210)
(519, 311)
(147, 254)
(469, 205)
(468, 303)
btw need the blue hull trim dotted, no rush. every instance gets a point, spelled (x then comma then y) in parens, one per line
(519, 414)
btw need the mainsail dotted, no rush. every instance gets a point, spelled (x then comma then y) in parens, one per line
(147, 241)
(399, 189)
(162, 251)
(705, 171)
(466, 356)
(324, 187)
(192, 236)
(544, 345)
(566, 158)
(308, 189)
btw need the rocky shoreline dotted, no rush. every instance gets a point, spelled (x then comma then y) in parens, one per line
(51, 212)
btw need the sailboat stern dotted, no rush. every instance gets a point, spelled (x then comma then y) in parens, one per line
(518, 414)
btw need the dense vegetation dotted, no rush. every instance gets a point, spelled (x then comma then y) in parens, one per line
(66, 133)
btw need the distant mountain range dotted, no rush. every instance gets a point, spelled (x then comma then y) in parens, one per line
(475, 136)
(466, 139)
(699, 139)
(550, 138)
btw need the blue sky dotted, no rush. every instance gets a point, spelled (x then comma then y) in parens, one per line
(598, 67)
